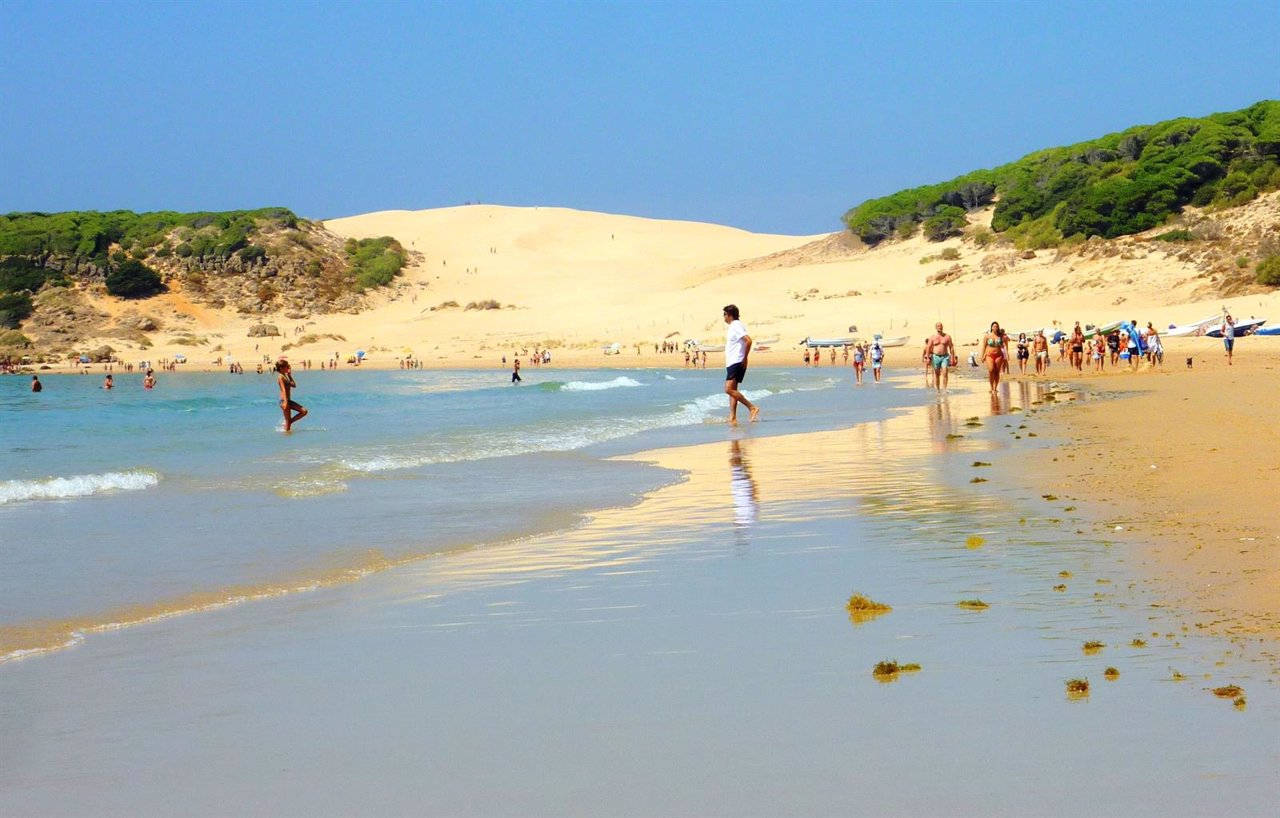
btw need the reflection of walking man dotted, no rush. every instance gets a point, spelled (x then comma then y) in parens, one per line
(737, 346)
(746, 497)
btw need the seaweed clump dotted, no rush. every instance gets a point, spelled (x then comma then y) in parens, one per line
(889, 669)
(973, 604)
(1093, 646)
(1077, 688)
(862, 609)
(1111, 673)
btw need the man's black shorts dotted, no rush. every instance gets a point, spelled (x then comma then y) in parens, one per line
(736, 372)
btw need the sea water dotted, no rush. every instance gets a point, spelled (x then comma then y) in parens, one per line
(688, 653)
(125, 505)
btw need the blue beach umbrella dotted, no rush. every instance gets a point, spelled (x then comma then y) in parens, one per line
(84, 359)
(359, 353)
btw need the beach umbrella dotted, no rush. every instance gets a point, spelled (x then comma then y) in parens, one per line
(1058, 336)
(359, 353)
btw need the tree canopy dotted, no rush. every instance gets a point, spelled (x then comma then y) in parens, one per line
(1116, 185)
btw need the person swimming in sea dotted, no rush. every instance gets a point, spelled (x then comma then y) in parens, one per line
(293, 411)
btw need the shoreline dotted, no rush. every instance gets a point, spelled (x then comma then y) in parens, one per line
(1181, 464)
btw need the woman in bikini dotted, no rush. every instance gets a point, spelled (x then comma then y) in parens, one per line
(993, 354)
(293, 411)
(1024, 352)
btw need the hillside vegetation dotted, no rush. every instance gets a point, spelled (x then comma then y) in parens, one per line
(1117, 185)
(255, 260)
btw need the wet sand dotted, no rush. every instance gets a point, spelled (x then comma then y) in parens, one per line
(688, 655)
(1183, 465)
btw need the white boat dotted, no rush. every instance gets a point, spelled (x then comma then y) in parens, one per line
(1194, 328)
(899, 341)
(1245, 327)
(814, 343)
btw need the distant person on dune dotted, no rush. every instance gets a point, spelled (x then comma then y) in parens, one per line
(737, 347)
(293, 411)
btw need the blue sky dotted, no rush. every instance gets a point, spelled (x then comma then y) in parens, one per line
(774, 117)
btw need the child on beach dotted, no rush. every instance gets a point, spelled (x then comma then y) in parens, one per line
(293, 411)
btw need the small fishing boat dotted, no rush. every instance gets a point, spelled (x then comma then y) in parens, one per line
(899, 341)
(1244, 327)
(1194, 328)
(814, 343)
(1267, 330)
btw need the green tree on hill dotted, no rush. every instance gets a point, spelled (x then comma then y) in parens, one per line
(133, 279)
(1116, 185)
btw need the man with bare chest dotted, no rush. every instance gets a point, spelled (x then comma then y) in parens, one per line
(941, 350)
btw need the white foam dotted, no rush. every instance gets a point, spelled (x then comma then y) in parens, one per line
(595, 386)
(80, 485)
(526, 441)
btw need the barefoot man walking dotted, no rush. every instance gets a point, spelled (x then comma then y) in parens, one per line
(941, 352)
(737, 346)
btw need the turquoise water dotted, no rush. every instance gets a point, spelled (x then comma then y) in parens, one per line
(686, 655)
(152, 501)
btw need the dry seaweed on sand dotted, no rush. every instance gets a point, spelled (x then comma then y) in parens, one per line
(1111, 674)
(978, 480)
(1059, 588)
(1228, 692)
(1093, 646)
(1138, 643)
(980, 463)
(1064, 574)
(1077, 687)
(973, 604)
(975, 541)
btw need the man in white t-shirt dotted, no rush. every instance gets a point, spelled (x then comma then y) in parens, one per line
(737, 346)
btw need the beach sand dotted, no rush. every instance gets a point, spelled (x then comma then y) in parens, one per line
(688, 654)
(574, 282)
(1183, 463)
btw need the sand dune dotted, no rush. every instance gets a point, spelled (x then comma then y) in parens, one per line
(574, 281)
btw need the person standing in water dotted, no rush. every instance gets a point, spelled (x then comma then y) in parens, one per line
(515, 371)
(108, 383)
(737, 347)
(941, 352)
(293, 411)
(994, 354)
(36, 386)
(149, 382)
